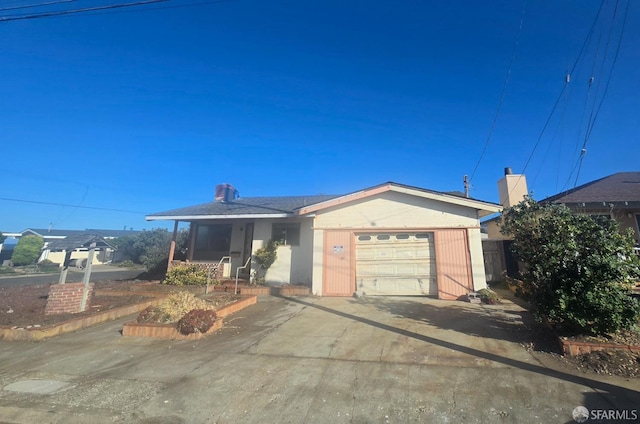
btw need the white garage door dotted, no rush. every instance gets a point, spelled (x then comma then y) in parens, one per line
(401, 264)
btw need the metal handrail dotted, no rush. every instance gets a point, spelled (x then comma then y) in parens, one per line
(206, 290)
(238, 273)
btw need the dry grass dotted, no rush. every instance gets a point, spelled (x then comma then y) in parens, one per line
(177, 305)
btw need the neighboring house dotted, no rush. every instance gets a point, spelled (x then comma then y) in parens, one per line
(391, 239)
(104, 254)
(616, 196)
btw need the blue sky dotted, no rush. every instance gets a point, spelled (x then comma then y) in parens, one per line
(147, 109)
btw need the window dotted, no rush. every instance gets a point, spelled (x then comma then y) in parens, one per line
(364, 238)
(212, 242)
(402, 237)
(287, 233)
(383, 237)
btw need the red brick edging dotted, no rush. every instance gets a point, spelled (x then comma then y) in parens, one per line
(169, 331)
(41, 333)
(572, 348)
(275, 291)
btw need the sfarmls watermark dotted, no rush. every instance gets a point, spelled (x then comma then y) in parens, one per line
(582, 414)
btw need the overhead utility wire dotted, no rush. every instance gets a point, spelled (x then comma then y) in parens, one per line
(73, 206)
(560, 96)
(27, 6)
(83, 10)
(504, 91)
(604, 94)
(564, 87)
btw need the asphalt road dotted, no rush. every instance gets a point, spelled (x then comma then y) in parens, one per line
(97, 274)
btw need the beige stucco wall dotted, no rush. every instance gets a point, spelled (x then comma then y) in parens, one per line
(477, 259)
(294, 264)
(493, 231)
(318, 270)
(397, 210)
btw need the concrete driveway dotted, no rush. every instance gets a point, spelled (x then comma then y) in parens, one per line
(307, 360)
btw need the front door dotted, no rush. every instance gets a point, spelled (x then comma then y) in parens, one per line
(338, 276)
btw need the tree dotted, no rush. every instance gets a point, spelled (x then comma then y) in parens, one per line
(27, 250)
(578, 269)
(149, 248)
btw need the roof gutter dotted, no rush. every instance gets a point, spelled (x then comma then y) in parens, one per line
(210, 217)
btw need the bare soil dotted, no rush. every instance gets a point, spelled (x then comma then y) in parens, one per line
(23, 306)
(543, 341)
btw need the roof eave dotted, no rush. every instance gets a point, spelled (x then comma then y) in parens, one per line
(212, 217)
(484, 208)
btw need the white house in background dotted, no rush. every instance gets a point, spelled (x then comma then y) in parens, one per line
(390, 239)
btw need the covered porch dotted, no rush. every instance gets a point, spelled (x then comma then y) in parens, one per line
(224, 247)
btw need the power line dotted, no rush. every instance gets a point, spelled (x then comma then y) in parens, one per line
(564, 87)
(74, 11)
(504, 91)
(27, 6)
(68, 205)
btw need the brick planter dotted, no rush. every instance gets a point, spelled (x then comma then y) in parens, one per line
(255, 290)
(169, 331)
(41, 333)
(294, 291)
(572, 348)
(67, 298)
(276, 291)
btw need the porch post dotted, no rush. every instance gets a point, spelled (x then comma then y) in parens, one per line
(172, 249)
(192, 240)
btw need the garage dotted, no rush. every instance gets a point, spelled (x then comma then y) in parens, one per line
(400, 264)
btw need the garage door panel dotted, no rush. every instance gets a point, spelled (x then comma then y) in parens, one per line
(396, 264)
(396, 286)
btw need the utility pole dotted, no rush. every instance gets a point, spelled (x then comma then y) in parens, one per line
(465, 180)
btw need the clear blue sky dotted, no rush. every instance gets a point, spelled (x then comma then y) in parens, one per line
(147, 109)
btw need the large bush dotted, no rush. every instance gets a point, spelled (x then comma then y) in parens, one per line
(578, 269)
(27, 250)
(182, 275)
(150, 248)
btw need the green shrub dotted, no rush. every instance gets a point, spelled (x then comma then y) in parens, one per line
(183, 275)
(579, 269)
(27, 250)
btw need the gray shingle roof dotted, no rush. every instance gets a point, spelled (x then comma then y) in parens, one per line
(45, 232)
(620, 187)
(77, 240)
(249, 206)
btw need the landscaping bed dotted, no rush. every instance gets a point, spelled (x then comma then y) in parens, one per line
(23, 306)
(152, 322)
(617, 354)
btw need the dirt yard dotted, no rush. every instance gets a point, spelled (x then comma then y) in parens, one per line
(23, 306)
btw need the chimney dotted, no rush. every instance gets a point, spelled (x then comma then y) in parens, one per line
(512, 188)
(226, 193)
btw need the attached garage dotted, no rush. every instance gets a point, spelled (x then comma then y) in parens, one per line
(398, 240)
(396, 264)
